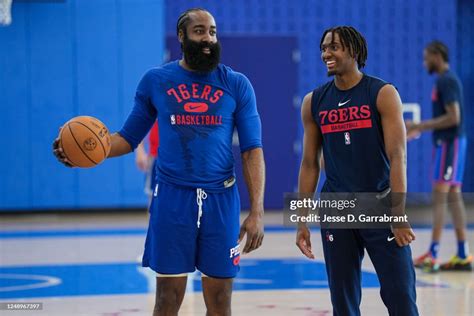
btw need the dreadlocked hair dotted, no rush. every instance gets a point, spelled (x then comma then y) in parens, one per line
(184, 18)
(353, 40)
(438, 47)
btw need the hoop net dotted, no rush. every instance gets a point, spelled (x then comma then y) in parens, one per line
(5, 12)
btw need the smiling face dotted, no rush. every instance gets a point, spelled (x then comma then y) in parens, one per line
(200, 46)
(335, 56)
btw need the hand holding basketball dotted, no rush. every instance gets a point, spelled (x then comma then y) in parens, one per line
(83, 141)
(59, 153)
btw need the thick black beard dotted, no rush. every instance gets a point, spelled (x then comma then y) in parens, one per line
(197, 59)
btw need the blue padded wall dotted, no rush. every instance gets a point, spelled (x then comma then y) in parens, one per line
(61, 59)
(64, 58)
(465, 68)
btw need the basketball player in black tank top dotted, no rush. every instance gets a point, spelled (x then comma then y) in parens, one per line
(357, 121)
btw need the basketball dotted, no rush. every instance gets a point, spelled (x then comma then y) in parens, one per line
(85, 141)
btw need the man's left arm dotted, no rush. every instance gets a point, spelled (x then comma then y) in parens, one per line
(249, 128)
(389, 106)
(253, 166)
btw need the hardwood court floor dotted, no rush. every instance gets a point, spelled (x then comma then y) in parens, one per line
(87, 265)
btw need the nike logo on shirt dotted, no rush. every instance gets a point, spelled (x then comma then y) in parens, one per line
(342, 103)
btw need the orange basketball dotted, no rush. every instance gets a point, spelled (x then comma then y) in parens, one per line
(85, 141)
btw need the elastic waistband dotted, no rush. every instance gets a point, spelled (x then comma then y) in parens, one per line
(210, 189)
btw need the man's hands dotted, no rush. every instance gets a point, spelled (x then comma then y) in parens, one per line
(253, 166)
(403, 236)
(413, 131)
(253, 227)
(59, 153)
(303, 241)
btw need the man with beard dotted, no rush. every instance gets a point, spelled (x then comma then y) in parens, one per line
(194, 214)
(357, 120)
(450, 153)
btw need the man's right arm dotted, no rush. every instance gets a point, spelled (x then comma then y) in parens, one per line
(451, 118)
(137, 125)
(310, 164)
(119, 146)
(309, 169)
(448, 88)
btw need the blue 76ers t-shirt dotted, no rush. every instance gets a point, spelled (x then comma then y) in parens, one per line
(197, 114)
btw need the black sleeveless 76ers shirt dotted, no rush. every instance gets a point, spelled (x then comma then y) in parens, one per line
(353, 143)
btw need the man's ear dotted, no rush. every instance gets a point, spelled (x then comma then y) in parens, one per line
(181, 36)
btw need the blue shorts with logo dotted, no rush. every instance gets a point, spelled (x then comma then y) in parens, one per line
(449, 157)
(193, 229)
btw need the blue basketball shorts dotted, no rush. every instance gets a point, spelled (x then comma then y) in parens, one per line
(193, 229)
(449, 158)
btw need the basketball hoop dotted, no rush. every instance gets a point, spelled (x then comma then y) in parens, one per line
(5, 12)
(413, 108)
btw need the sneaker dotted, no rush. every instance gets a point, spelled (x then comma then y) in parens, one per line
(427, 263)
(458, 264)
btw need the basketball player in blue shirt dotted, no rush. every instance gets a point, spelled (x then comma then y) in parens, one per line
(194, 214)
(356, 120)
(450, 153)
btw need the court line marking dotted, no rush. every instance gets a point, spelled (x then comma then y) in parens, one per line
(47, 281)
(142, 231)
